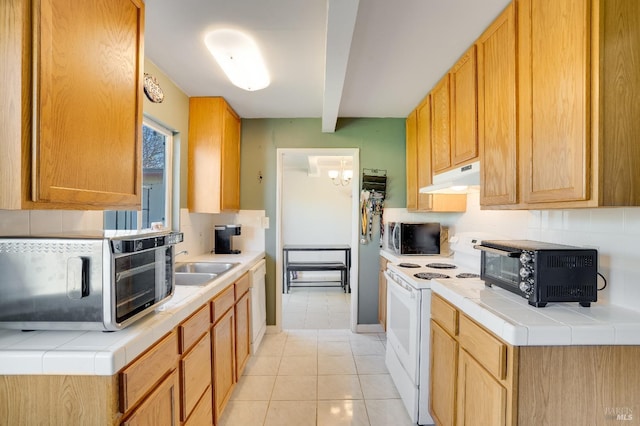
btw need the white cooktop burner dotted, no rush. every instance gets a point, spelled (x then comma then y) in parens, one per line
(465, 264)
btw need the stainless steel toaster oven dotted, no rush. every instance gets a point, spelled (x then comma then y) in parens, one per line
(84, 282)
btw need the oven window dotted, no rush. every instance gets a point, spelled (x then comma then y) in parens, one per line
(504, 269)
(140, 281)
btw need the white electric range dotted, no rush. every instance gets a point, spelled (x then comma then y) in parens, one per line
(409, 313)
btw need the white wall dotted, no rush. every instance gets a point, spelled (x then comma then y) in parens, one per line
(315, 211)
(614, 232)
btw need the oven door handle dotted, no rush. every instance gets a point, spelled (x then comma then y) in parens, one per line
(402, 287)
(506, 253)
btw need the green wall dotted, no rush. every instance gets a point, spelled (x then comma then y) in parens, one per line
(382, 146)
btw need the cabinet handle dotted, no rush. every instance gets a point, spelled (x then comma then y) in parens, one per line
(505, 253)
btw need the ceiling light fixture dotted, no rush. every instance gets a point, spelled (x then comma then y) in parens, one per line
(239, 57)
(342, 177)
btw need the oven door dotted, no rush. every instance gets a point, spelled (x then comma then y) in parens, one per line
(141, 280)
(403, 323)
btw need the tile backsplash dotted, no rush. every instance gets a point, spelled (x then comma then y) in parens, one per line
(197, 227)
(34, 222)
(614, 232)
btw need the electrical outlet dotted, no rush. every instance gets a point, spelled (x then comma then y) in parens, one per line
(265, 222)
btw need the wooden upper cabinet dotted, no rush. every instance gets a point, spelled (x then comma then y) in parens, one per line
(214, 156)
(455, 116)
(72, 110)
(578, 112)
(441, 126)
(496, 50)
(555, 85)
(464, 114)
(418, 145)
(423, 149)
(418, 165)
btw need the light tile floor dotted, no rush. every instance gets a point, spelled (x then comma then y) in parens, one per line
(316, 308)
(316, 377)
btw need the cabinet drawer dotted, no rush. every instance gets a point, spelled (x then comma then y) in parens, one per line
(242, 286)
(490, 352)
(195, 375)
(142, 375)
(160, 407)
(222, 303)
(191, 329)
(203, 413)
(445, 315)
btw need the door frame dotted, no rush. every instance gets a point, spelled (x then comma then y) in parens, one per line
(354, 153)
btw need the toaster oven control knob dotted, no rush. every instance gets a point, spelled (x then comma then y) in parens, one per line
(525, 258)
(524, 272)
(526, 286)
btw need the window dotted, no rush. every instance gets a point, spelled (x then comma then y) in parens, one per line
(157, 148)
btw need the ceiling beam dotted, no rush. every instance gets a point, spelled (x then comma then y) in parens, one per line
(341, 22)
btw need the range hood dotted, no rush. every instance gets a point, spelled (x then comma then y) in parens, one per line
(460, 180)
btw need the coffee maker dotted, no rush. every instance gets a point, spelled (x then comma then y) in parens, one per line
(223, 240)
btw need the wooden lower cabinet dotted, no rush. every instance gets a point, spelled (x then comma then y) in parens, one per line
(160, 408)
(223, 359)
(185, 378)
(481, 398)
(195, 376)
(202, 415)
(499, 384)
(382, 293)
(443, 373)
(243, 332)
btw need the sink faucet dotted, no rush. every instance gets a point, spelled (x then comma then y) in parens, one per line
(181, 252)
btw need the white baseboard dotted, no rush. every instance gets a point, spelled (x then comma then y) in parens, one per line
(369, 328)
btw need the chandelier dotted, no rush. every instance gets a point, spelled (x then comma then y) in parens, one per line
(341, 177)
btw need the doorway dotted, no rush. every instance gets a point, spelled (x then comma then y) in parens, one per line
(324, 211)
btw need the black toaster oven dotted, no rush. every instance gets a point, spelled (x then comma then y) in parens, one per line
(541, 272)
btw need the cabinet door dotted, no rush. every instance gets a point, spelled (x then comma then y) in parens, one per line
(442, 383)
(464, 115)
(223, 349)
(496, 50)
(481, 400)
(160, 408)
(230, 193)
(382, 294)
(441, 125)
(554, 86)
(423, 153)
(243, 336)
(88, 113)
(411, 160)
(195, 376)
(214, 156)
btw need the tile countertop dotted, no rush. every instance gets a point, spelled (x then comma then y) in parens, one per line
(512, 319)
(105, 353)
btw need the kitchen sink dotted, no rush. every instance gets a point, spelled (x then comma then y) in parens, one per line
(194, 278)
(205, 267)
(200, 273)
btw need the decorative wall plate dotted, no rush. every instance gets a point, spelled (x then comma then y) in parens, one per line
(152, 89)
